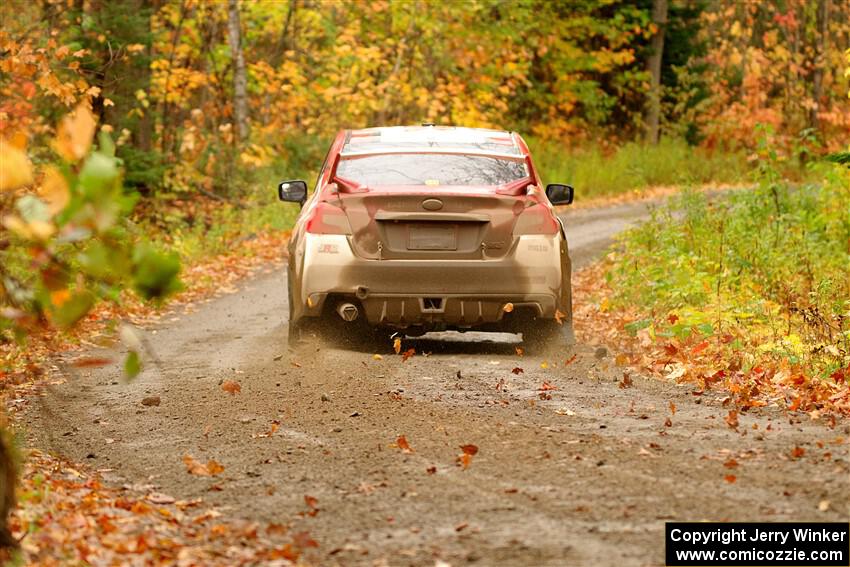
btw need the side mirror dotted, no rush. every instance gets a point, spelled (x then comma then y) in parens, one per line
(293, 191)
(560, 194)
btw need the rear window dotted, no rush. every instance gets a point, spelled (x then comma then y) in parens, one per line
(430, 169)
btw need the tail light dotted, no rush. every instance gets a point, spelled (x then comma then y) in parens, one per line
(328, 219)
(536, 220)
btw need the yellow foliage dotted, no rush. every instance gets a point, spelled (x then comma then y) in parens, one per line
(15, 167)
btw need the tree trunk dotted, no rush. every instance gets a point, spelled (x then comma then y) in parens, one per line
(821, 45)
(653, 111)
(240, 96)
(8, 478)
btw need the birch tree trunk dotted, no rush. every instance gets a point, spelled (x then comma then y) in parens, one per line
(653, 111)
(240, 96)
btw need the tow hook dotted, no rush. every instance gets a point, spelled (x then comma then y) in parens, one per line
(347, 311)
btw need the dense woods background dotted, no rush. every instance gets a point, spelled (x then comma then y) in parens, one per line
(199, 94)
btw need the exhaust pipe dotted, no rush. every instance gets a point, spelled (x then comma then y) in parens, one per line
(348, 311)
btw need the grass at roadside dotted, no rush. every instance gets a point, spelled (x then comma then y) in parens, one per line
(750, 291)
(634, 167)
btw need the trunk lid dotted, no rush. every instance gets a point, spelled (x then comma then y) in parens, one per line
(458, 224)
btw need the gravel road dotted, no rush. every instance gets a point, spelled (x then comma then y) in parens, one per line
(583, 474)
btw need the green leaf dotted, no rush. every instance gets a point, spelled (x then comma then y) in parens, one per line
(132, 364)
(107, 146)
(98, 175)
(74, 309)
(706, 329)
(635, 326)
(155, 272)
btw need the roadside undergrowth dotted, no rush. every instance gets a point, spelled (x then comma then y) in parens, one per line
(749, 292)
(68, 515)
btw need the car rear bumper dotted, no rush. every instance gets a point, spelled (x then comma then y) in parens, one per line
(435, 293)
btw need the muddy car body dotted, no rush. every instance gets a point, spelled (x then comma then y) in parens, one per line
(430, 228)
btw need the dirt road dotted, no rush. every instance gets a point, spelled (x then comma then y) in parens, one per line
(587, 477)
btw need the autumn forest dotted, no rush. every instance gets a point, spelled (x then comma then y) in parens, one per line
(141, 142)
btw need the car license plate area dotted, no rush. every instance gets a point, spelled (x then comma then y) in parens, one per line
(432, 237)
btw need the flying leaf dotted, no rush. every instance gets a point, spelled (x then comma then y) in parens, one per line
(54, 190)
(732, 419)
(407, 354)
(91, 362)
(75, 134)
(132, 364)
(402, 444)
(397, 345)
(15, 168)
(730, 478)
(469, 449)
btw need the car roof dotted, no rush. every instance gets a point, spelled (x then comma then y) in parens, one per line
(431, 139)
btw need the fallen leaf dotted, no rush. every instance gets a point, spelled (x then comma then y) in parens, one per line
(159, 498)
(730, 478)
(700, 347)
(732, 419)
(544, 365)
(232, 387)
(461, 526)
(672, 408)
(797, 452)
(571, 360)
(303, 540)
(377, 357)
(211, 468)
(823, 506)
(431, 470)
(626, 382)
(668, 422)
(546, 386)
(464, 460)
(151, 401)
(517, 370)
(731, 463)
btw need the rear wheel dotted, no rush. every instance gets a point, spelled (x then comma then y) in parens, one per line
(547, 336)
